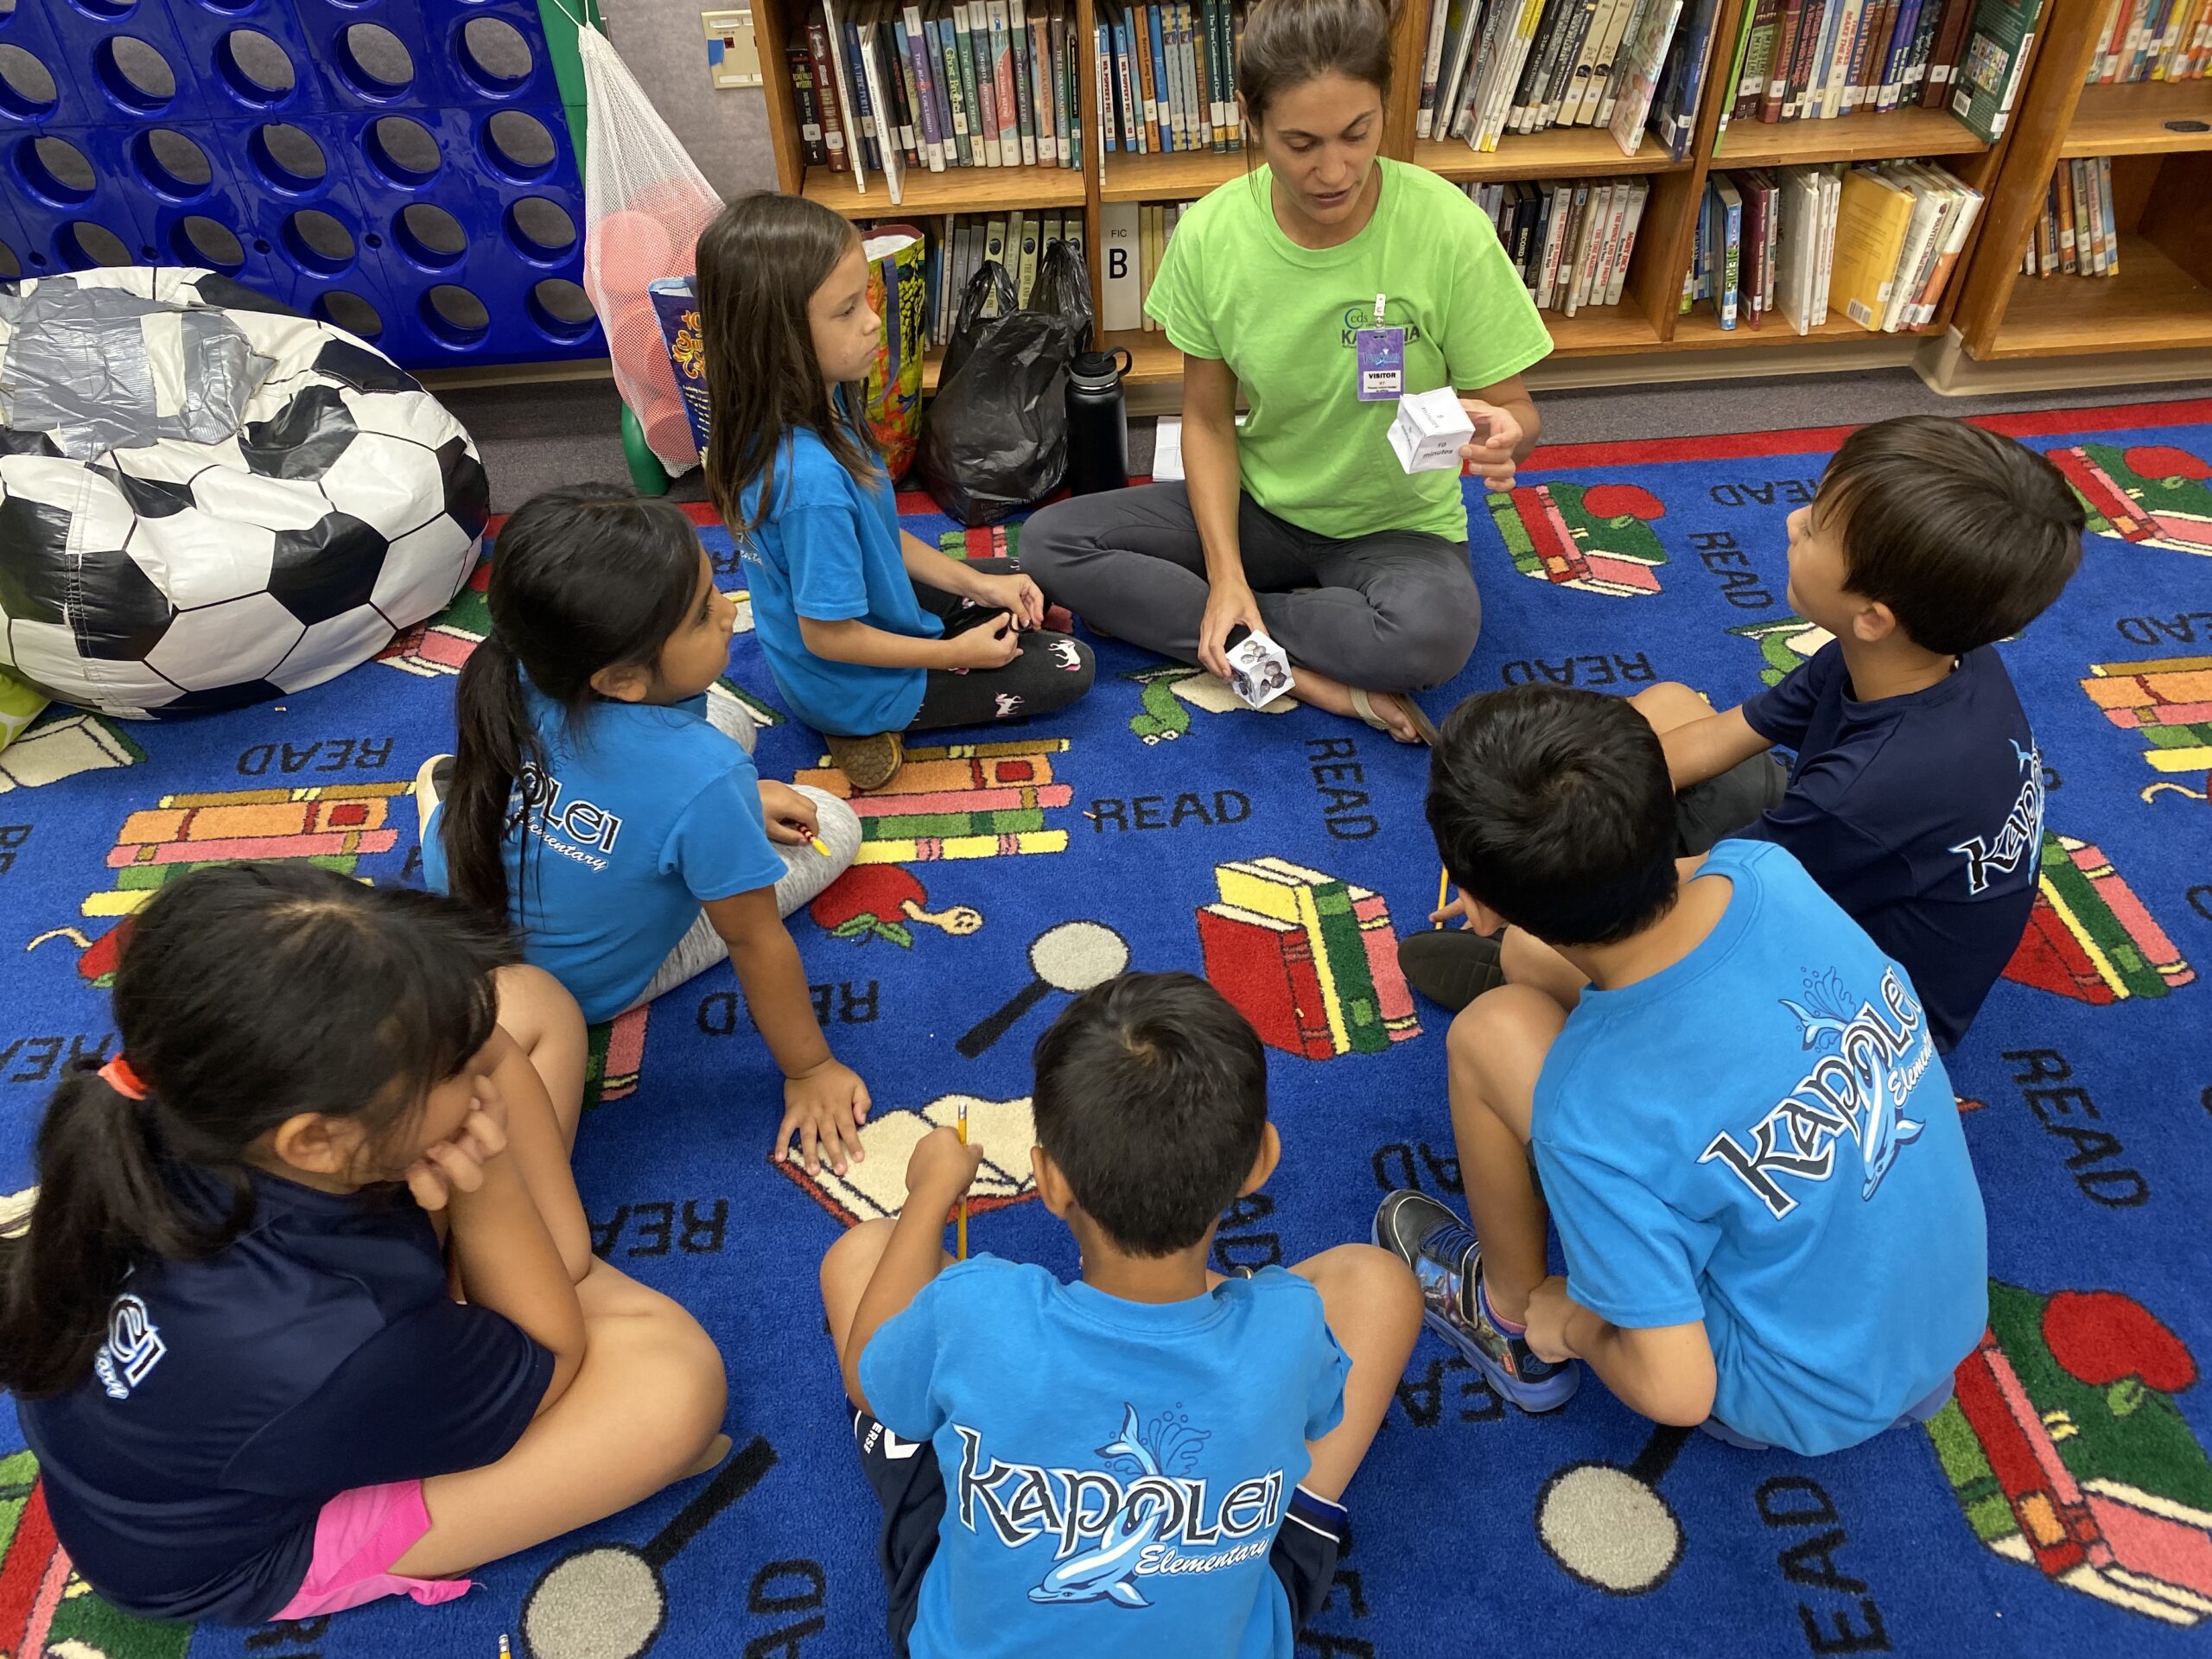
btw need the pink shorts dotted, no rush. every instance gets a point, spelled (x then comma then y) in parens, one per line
(357, 1538)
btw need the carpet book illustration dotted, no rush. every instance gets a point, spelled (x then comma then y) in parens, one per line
(964, 800)
(2153, 493)
(1597, 538)
(2089, 936)
(2166, 702)
(1309, 960)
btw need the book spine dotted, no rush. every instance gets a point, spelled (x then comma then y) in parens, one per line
(863, 106)
(974, 30)
(921, 87)
(1133, 134)
(1431, 64)
(954, 96)
(1041, 95)
(1147, 84)
(1393, 998)
(1732, 260)
(1347, 956)
(800, 65)
(1024, 102)
(832, 115)
(1002, 93)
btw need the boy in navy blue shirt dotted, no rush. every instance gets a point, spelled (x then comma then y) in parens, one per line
(1916, 799)
(1150, 1457)
(1743, 1131)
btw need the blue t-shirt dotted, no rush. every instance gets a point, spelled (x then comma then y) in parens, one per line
(1115, 1471)
(1761, 1137)
(317, 1352)
(645, 813)
(828, 549)
(1920, 815)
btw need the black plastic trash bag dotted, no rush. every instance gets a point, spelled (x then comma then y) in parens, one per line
(995, 436)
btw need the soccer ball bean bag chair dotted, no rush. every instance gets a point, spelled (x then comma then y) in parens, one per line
(206, 498)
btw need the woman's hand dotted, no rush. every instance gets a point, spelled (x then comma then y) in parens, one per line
(1498, 433)
(1016, 594)
(788, 815)
(455, 1165)
(825, 1105)
(1226, 607)
(987, 645)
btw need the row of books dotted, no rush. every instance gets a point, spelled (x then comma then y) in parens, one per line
(1878, 243)
(1570, 238)
(1309, 959)
(2154, 39)
(2077, 231)
(1494, 67)
(1133, 237)
(955, 246)
(887, 85)
(1814, 60)
(1167, 75)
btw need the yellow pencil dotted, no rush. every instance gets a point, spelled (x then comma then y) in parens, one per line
(961, 1241)
(820, 845)
(505, 1652)
(1443, 892)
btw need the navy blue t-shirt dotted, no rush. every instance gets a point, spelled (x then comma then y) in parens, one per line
(1921, 815)
(317, 1352)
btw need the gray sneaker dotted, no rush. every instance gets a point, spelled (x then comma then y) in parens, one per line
(1445, 1258)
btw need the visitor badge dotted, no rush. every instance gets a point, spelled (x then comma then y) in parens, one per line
(1382, 354)
(1382, 364)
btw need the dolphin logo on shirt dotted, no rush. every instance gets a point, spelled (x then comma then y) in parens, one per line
(1104, 1572)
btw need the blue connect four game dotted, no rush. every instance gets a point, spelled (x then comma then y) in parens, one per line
(403, 169)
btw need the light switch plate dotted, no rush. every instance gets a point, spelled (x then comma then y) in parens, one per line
(733, 52)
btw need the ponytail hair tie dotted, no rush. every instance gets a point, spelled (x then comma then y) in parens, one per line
(119, 1076)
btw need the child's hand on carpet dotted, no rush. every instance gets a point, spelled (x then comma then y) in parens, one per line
(825, 1104)
(942, 1166)
(788, 815)
(1016, 594)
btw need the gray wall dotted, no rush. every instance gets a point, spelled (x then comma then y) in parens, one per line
(726, 132)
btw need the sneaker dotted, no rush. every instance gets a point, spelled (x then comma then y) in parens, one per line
(431, 784)
(868, 762)
(1445, 1258)
(1451, 966)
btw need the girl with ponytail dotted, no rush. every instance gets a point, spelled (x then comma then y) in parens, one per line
(228, 1322)
(595, 805)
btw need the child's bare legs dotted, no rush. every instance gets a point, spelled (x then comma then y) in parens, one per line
(542, 1077)
(1668, 704)
(645, 1409)
(1373, 1307)
(1495, 1051)
(845, 1273)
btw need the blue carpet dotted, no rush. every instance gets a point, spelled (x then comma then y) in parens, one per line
(2064, 1505)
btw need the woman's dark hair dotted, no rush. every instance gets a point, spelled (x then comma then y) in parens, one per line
(246, 993)
(584, 578)
(759, 263)
(1152, 1097)
(1967, 536)
(1289, 43)
(1552, 807)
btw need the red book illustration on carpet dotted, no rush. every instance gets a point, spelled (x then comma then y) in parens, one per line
(1597, 537)
(1310, 960)
(2067, 1452)
(2089, 936)
(965, 800)
(2154, 493)
(44, 1608)
(2166, 702)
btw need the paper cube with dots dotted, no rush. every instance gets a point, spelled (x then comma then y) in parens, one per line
(404, 172)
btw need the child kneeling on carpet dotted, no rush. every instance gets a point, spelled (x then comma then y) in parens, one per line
(869, 631)
(1916, 800)
(231, 1326)
(1743, 1130)
(594, 804)
(1153, 1456)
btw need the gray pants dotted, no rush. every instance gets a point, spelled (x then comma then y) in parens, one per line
(1396, 611)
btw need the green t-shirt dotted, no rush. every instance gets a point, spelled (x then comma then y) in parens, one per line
(1233, 286)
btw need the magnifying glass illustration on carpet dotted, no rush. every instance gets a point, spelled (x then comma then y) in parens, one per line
(1072, 957)
(609, 1601)
(1608, 1527)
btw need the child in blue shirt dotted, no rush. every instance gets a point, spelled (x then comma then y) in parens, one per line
(1916, 797)
(1149, 1459)
(1743, 1130)
(869, 631)
(238, 1346)
(594, 806)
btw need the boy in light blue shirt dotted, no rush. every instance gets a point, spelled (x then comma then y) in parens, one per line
(1149, 1459)
(1743, 1131)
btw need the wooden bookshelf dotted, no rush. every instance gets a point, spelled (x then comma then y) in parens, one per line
(2159, 301)
(1896, 136)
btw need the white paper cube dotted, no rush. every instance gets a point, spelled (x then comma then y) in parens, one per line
(1430, 430)
(1258, 671)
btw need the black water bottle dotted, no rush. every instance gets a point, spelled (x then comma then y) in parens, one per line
(1098, 422)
